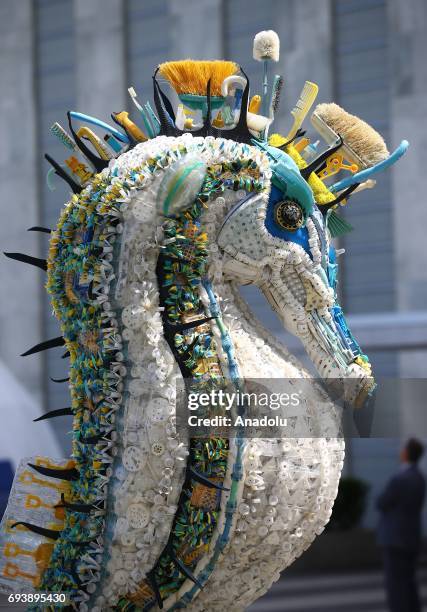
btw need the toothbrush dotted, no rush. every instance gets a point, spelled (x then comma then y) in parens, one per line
(276, 90)
(147, 125)
(303, 105)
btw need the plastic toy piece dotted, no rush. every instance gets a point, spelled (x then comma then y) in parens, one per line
(11, 570)
(334, 164)
(79, 169)
(34, 502)
(41, 554)
(255, 104)
(314, 165)
(30, 478)
(302, 144)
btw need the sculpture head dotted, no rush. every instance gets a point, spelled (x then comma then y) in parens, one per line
(280, 242)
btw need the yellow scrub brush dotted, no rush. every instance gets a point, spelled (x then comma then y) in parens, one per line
(190, 77)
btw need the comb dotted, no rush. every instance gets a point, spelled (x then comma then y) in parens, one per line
(303, 105)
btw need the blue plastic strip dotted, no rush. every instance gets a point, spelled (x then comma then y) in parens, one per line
(237, 473)
(362, 176)
(94, 121)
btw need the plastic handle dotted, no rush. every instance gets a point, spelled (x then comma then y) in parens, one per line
(94, 121)
(360, 177)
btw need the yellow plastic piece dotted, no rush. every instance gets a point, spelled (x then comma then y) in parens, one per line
(301, 144)
(334, 164)
(41, 554)
(28, 477)
(218, 122)
(34, 502)
(11, 570)
(88, 134)
(123, 119)
(363, 364)
(78, 168)
(42, 461)
(322, 195)
(255, 104)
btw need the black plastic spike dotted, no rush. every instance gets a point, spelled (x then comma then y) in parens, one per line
(65, 355)
(152, 581)
(39, 228)
(166, 102)
(92, 439)
(178, 327)
(300, 133)
(166, 129)
(28, 259)
(314, 165)
(345, 194)
(47, 533)
(44, 346)
(61, 473)
(184, 569)
(76, 507)
(75, 187)
(208, 119)
(59, 380)
(98, 163)
(242, 124)
(205, 481)
(55, 413)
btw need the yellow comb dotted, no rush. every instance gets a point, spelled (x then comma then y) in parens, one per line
(301, 108)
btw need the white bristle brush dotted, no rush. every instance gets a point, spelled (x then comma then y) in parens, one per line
(266, 48)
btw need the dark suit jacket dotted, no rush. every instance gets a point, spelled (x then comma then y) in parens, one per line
(400, 505)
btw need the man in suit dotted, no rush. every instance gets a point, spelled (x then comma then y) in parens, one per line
(399, 530)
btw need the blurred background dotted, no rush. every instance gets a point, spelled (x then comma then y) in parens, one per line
(367, 55)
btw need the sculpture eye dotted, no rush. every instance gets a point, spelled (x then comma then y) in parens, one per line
(289, 215)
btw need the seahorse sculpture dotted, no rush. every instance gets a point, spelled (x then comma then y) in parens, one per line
(143, 269)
